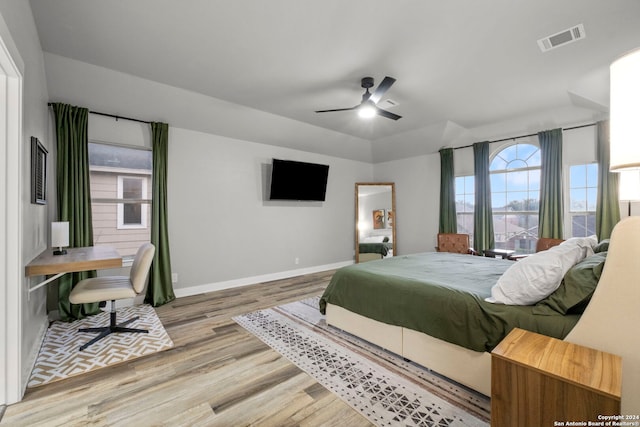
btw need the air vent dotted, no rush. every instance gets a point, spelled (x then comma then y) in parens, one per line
(563, 37)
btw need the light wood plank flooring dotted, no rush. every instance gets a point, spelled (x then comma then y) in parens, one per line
(217, 374)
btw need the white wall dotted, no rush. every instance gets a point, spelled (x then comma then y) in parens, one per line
(417, 182)
(221, 229)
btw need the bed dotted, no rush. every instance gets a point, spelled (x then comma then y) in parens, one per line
(376, 246)
(401, 321)
(373, 251)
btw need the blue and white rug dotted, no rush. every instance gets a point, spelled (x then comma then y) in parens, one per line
(384, 388)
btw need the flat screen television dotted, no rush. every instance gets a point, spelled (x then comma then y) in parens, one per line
(291, 180)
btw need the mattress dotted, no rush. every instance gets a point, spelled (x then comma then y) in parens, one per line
(440, 294)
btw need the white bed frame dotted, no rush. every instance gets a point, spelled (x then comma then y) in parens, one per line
(610, 323)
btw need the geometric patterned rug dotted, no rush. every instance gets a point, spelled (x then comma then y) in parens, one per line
(383, 387)
(60, 358)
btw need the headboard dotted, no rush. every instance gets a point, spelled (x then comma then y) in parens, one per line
(611, 320)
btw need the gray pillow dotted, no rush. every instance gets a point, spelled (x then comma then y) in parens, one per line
(603, 246)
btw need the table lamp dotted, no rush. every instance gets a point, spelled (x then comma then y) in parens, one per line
(630, 187)
(59, 236)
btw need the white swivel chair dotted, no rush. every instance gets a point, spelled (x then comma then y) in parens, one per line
(111, 288)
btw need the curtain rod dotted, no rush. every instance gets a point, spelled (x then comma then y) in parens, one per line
(527, 136)
(113, 115)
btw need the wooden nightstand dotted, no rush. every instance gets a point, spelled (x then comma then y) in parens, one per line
(541, 381)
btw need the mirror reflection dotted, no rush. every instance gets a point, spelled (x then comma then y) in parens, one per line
(375, 220)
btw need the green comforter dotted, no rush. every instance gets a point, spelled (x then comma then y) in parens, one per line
(375, 248)
(440, 294)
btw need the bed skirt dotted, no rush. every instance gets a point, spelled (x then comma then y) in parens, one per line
(468, 367)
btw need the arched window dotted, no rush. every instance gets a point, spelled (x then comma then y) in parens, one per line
(515, 196)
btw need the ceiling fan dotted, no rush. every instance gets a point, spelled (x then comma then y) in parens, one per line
(367, 107)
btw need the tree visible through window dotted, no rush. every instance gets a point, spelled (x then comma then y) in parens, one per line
(120, 179)
(515, 196)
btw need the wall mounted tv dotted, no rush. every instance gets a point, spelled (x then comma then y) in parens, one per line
(291, 180)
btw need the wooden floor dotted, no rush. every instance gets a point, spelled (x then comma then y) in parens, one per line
(217, 374)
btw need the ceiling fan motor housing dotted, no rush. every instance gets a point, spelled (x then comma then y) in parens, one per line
(367, 82)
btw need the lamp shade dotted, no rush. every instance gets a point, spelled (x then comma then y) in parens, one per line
(630, 185)
(625, 112)
(60, 234)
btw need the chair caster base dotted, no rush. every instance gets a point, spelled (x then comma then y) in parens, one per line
(108, 330)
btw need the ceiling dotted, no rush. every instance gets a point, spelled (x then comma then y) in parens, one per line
(459, 64)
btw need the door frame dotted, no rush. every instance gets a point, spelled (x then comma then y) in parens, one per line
(11, 181)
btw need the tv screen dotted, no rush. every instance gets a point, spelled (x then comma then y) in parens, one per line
(291, 180)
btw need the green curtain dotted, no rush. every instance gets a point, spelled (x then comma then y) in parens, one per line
(607, 205)
(483, 237)
(160, 288)
(74, 198)
(550, 215)
(448, 220)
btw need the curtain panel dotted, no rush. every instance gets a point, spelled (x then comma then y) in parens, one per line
(607, 205)
(483, 237)
(74, 198)
(550, 215)
(160, 287)
(448, 220)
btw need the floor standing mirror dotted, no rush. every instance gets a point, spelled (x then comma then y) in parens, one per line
(375, 220)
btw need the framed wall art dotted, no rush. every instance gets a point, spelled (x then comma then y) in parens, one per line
(38, 172)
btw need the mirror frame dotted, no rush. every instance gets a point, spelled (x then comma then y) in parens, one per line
(393, 209)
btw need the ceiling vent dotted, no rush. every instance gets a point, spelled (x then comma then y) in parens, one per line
(563, 37)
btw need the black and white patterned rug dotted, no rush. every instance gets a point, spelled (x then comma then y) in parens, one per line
(383, 387)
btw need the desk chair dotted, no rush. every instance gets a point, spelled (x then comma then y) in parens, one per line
(453, 242)
(112, 288)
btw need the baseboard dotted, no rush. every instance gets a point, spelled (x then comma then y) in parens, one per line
(29, 363)
(246, 281)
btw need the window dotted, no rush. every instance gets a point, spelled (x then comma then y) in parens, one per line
(465, 204)
(515, 196)
(132, 215)
(120, 179)
(583, 191)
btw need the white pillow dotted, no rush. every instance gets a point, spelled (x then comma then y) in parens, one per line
(537, 276)
(373, 239)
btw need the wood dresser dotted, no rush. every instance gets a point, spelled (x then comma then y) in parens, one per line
(541, 381)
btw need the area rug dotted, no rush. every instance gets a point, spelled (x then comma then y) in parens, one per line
(382, 386)
(60, 358)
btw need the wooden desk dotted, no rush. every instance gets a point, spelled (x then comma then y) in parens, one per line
(76, 259)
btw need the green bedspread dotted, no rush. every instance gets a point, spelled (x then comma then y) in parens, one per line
(375, 248)
(440, 294)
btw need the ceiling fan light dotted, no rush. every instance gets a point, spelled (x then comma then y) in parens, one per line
(366, 111)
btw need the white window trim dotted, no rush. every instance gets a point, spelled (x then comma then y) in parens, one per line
(492, 156)
(568, 217)
(143, 211)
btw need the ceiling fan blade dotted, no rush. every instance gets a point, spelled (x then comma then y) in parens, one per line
(387, 114)
(381, 89)
(337, 109)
